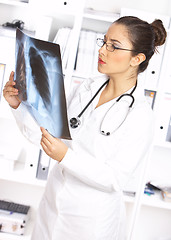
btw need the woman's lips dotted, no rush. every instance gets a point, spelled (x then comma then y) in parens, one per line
(101, 61)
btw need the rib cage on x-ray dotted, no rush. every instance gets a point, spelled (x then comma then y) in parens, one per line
(39, 78)
(38, 61)
(38, 69)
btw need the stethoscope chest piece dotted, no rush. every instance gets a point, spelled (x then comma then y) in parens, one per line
(75, 122)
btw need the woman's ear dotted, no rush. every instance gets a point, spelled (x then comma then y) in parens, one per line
(138, 59)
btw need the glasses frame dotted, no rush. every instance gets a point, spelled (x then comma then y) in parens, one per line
(111, 44)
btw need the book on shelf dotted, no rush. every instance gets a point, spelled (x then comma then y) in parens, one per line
(87, 52)
(39, 79)
(62, 39)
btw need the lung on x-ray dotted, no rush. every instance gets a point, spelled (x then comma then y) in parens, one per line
(39, 79)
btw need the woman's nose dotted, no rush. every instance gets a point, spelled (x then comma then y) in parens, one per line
(102, 49)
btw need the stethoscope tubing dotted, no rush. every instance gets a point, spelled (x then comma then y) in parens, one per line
(81, 113)
(75, 121)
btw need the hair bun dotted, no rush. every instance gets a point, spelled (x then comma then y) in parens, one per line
(159, 31)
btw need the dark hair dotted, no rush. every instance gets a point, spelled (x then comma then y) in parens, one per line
(145, 37)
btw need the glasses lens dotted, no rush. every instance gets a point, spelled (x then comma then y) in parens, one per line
(110, 47)
(100, 42)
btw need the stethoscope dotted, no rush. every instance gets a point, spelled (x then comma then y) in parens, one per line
(122, 109)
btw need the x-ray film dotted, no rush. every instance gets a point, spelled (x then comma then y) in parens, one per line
(39, 79)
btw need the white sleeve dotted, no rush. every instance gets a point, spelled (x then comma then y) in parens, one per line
(113, 173)
(27, 125)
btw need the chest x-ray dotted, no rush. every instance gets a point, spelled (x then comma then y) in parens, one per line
(39, 79)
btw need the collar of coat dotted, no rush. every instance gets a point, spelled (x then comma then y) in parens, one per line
(92, 85)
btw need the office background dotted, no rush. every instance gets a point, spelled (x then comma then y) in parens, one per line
(69, 23)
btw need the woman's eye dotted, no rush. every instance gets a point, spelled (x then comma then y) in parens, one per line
(114, 47)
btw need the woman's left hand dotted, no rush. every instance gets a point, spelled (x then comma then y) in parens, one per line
(52, 146)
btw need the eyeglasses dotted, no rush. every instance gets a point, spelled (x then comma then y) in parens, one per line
(109, 46)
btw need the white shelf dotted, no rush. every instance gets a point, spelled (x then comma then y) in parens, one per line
(163, 144)
(14, 3)
(155, 200)
(20, 175)
(100, 16)
(21, 178)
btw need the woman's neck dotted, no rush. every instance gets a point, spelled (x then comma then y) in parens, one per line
(117, 87)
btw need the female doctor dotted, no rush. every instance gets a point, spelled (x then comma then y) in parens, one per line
(83, 199)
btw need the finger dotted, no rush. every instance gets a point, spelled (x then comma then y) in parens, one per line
(10, 88)
(10, 91)
(45, 148)
(11, 78)
(10, 83)
(46, 142)
(47, 135)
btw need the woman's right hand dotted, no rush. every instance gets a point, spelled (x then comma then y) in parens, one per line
(10, 93)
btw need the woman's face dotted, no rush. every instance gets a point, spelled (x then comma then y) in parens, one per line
(118, 61)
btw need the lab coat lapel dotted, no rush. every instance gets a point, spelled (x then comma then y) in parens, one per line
(90, 89)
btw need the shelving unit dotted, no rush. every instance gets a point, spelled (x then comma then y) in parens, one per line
(18, 179)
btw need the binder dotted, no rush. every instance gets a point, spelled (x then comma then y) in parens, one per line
(163, 119)
(168, 137)
(43, 166)
(31, 160)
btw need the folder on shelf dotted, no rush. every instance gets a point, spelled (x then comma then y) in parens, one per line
(31, 161)
(62, 38)
(150, 96)
(163, 119)
(168, 137)
(43, 166)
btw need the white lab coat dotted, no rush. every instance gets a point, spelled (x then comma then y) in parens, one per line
(83, 198)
